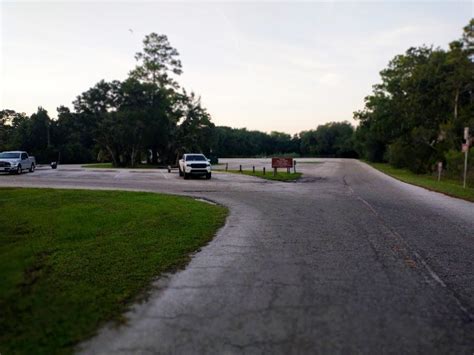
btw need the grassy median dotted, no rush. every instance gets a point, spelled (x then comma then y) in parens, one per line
(72, 259)
(280, 176)
(447, 186)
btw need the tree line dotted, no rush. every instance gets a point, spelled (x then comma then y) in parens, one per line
(149, 117)
(84, 139)
(416, 116)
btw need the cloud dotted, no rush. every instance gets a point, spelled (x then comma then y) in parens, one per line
(331, 79)
(398, 35)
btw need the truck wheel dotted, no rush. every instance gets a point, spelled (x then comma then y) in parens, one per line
(18, 170)
(208, 176)
(32, 168)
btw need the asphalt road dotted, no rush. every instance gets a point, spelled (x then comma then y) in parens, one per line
(347, 260)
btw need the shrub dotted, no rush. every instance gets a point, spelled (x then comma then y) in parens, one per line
(416, 156)
(455, 162)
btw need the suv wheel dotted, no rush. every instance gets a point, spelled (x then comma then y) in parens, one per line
(18, 170)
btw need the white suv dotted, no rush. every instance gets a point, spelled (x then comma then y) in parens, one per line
(194, 164)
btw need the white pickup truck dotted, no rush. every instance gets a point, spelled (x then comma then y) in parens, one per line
(16, 162)
(194, 164)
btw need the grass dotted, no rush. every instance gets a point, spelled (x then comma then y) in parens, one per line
(269, 175)
(446, 186)
(71, 260)
(308, 162)
(110, 166)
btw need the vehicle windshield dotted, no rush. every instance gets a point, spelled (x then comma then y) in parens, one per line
(195, 158)
(9, 155)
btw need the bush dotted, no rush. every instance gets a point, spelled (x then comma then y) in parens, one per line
(398, 154)
(415, 156)
(455, 163)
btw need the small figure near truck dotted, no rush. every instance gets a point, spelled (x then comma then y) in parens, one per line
(16, 162)
(194, 165)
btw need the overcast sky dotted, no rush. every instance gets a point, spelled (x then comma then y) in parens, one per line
(267, 66)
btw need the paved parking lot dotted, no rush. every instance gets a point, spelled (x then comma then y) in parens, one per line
(146, 179)
(346, 260)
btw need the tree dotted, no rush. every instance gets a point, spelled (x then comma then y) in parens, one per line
(333, 139)
(416, 114)
(72, 135)
(39, 140)
(6, 119)
(157, 61)
(194, 133)
(98, 99)
(468, 39)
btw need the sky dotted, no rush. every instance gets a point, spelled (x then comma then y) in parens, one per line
(269, 66)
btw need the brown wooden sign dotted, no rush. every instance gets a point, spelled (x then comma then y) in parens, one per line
(282, 163)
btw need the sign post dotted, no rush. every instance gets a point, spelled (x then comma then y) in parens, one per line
(281, 163)
(440, 169)
(465, 149)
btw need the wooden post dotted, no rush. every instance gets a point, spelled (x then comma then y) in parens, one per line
(294, 166)
(287, 170)
(226, 166)
(275, 171)
(253, 169)
(240, 168)
(263, 170)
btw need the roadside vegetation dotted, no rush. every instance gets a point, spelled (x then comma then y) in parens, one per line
(416, 115)
(72, 259)
(448, 186)
(280, 176)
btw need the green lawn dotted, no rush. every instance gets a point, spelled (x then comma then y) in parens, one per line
(280, 176)
(110, 166)
(447, 186)
(307, 162)
(72, 259)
